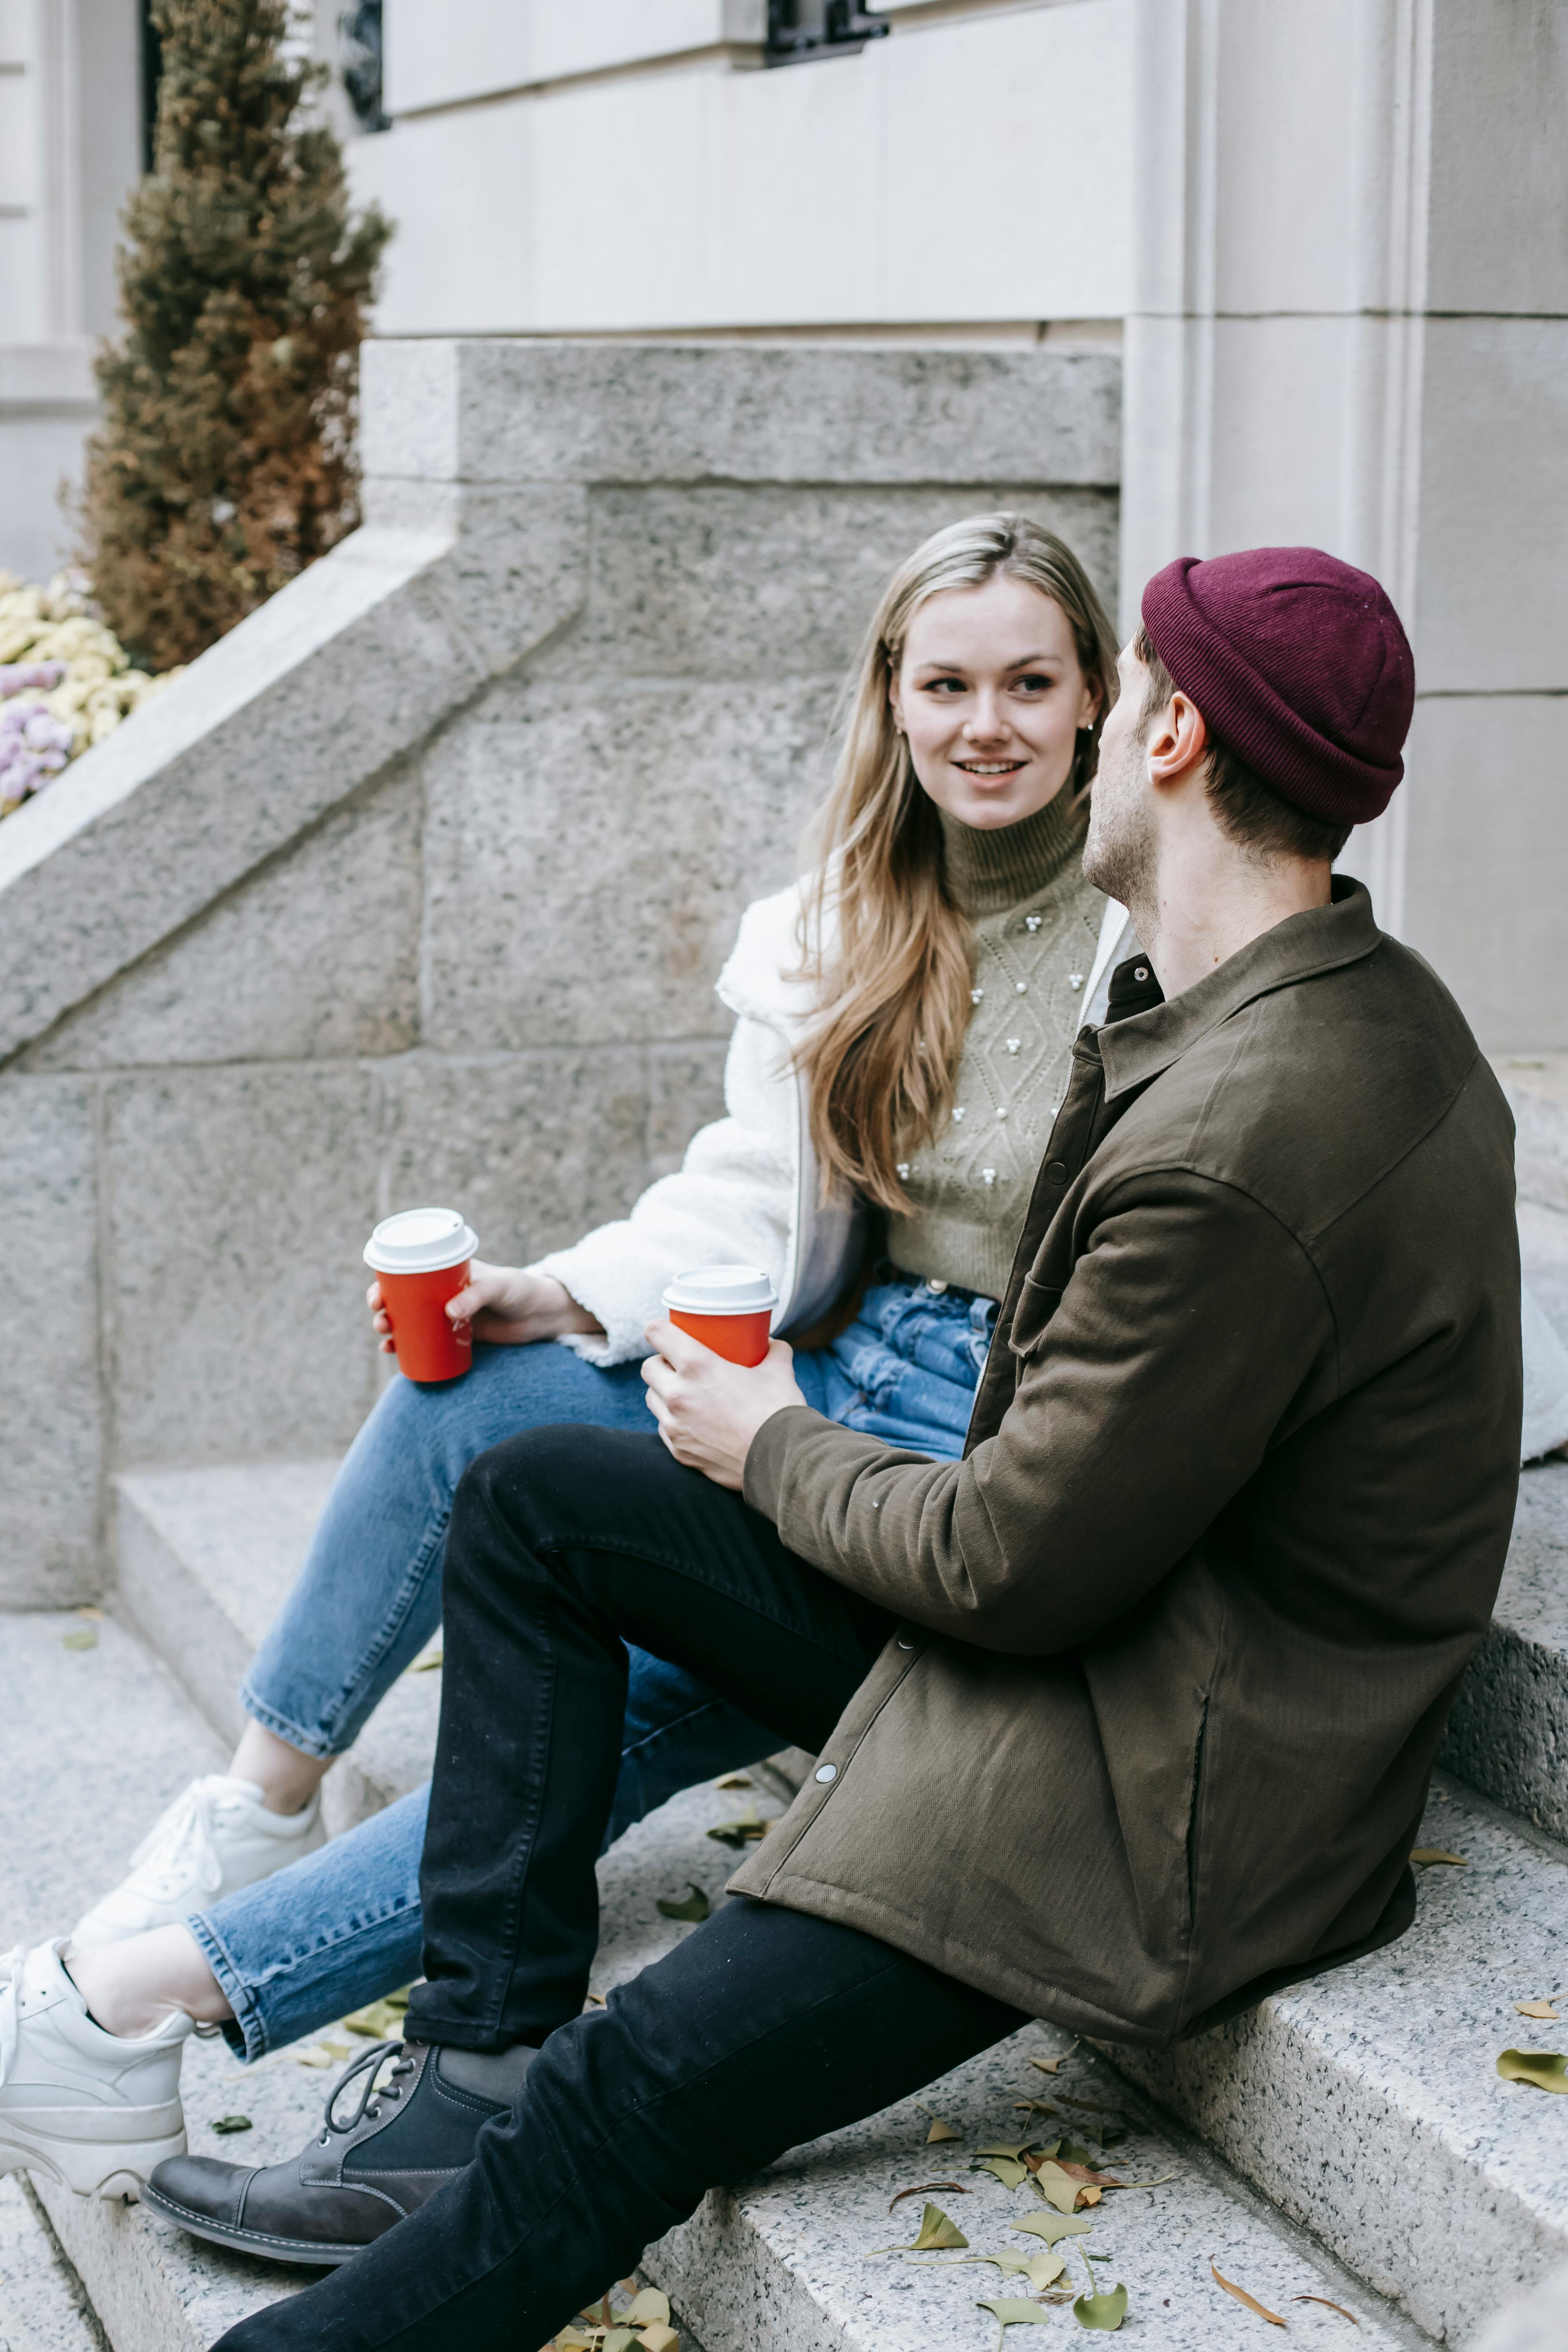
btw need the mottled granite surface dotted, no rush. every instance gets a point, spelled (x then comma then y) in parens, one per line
(42, 2305)
(1508, 1733)
(1366, 2103)
(791, 2261)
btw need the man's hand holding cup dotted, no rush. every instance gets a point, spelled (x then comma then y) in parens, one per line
(717, 1376)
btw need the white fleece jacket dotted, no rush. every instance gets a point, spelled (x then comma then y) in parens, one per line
(746, 1192)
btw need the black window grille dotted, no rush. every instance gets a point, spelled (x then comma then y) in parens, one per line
(802, 30)
(360, 62)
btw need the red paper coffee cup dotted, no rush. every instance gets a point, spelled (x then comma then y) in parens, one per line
(422, 1258)
(728, 1308)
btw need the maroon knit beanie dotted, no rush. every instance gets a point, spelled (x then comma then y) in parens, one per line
(1300, 666)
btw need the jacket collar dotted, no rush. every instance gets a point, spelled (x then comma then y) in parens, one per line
(1137, 1049)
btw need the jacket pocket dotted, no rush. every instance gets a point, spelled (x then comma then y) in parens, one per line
(1038, 1302)
(1194, 1801)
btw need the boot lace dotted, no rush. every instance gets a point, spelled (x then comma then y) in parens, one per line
(368, 2063)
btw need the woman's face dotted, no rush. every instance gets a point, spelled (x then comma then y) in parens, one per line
(991, 696)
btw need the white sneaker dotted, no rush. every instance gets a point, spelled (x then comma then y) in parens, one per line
(216, 1837)
(86, 2107)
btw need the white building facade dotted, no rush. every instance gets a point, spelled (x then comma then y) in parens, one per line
(1327, 239)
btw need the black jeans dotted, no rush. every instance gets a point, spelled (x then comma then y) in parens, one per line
(761, 2030)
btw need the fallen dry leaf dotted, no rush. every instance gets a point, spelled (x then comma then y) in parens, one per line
(746, 1831)
(1096, 2310)
(1250, 2300)
(1056, 2188)
(1051, 2226)
(694, 1906)
(86, 1640)
(936, 2233)
(1012, 2311)
(930, 2184)
(430, 1664)
(648, 2308)
(939, 2130)
(1036, 2108)
(1038, 2269)
(1328, 2306)
(936, 2230)
(659, 2336)
(1425, 1853)
(1082, 2172)
(1538, 2009)
(734, 1780)
(382, 2021)
(595, 2000)
(224, 2124)
(1547, 2069)
(1006, 2169)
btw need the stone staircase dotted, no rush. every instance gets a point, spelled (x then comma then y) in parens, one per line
(1348, 2139)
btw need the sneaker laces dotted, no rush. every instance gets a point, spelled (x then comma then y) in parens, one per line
(368, 2063)
(178, 1850)
(10, 2014)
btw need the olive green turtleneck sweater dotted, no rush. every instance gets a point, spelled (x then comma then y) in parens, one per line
(1037, 923)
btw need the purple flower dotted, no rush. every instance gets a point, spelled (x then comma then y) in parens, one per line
(34, 746)
(44, 676)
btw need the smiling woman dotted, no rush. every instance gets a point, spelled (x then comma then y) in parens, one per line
(949, 928)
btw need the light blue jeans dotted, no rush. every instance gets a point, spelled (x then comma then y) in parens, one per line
(342, 1928)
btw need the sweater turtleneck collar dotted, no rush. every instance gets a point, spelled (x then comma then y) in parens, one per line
(991, 869)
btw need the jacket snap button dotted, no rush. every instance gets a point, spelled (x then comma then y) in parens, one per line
(826, 1773)
(1056, 1171)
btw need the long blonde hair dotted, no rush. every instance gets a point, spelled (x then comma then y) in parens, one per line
(881, 936)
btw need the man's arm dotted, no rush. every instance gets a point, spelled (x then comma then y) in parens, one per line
(1189, 1325)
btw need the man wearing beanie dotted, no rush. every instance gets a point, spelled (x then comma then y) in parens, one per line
(1126, 1718)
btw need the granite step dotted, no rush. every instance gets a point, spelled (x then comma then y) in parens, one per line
(100, 1739)
(205, 1559)
(44, 2306)
(1366, 2104)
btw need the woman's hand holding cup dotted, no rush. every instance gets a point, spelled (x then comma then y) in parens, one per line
(505, 1304)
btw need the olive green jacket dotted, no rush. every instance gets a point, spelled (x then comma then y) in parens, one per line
(1182, 1628)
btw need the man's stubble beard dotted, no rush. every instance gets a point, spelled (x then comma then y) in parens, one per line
(1119, 856)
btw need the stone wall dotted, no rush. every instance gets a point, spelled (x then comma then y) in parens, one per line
(415, 887)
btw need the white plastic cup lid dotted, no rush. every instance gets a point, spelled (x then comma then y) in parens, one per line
(420, 1241)
(723, 1290)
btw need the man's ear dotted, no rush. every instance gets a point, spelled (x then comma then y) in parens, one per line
(1178, 741)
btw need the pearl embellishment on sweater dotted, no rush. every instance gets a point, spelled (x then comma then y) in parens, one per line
(1020, 988)
(975, 994)
(1075, 980)
(1014, 1044)
(958, 1113)
(1001, 1111)
(1033, 922)
(989, 1175)
(903, 1171)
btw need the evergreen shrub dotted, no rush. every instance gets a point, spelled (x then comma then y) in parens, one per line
(226, 461)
